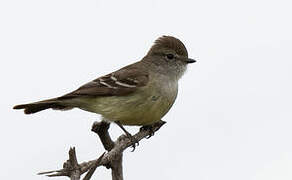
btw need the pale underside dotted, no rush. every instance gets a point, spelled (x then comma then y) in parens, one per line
(144, 107)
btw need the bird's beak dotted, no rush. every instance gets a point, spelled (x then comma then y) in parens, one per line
(189, 60)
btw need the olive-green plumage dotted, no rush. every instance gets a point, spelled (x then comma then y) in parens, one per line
(138, 94)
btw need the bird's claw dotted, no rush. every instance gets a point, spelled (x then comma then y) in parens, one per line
(133, 141)
(149, 128)
(152, 128)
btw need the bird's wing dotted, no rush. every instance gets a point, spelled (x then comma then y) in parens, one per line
(119, 83)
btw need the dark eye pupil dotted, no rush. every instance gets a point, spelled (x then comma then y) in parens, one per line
(170, 56)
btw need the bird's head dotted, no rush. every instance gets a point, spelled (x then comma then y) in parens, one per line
(170, 54)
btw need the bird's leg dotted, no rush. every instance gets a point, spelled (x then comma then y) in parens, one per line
(122, 127)
(132, 138)
(151, 127)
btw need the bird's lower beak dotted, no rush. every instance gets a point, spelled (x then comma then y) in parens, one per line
(189, 60)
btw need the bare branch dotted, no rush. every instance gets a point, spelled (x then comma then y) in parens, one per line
(112, 159)
(101, 129)
(71, 168)
(73, 165)
(117, 168)
(93, 168)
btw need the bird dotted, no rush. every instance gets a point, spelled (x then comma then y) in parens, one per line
(139, 94)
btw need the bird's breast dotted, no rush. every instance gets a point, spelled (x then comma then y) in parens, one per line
(153, 102)
(145, 106)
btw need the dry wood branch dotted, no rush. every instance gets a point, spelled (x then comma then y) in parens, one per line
(111, 159)
(101, 129)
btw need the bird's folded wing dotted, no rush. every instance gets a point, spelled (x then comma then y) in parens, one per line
(119, 83)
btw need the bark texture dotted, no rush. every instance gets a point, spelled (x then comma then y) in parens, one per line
(111, 159)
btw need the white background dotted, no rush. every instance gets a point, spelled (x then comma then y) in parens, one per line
(232, 119)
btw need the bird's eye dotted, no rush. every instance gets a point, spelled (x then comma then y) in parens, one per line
(169, 56)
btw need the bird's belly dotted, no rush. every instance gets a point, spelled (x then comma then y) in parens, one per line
(148, 112)
(138, 109)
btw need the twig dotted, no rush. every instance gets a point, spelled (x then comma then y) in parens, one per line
(93, 168)
(112, 159)
(71, 168)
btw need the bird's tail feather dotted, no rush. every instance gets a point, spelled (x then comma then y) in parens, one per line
(42, 105)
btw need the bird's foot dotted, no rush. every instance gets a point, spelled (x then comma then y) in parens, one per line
(151, 128)
(133, 141)
(148, 128)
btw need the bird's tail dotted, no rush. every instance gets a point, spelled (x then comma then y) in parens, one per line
(42, 105)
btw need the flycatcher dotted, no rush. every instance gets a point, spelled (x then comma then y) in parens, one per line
(138, 94)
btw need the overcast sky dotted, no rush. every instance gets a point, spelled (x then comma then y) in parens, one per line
(232, 118)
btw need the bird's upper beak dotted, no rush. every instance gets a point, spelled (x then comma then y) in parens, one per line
(189, 60)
